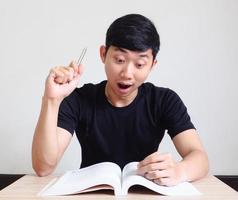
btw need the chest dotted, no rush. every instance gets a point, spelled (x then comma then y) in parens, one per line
(137, 124)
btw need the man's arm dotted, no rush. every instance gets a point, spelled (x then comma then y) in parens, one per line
(164, 170)
(50, 141)
(194, 164)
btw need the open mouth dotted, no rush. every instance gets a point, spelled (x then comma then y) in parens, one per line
(124, 86)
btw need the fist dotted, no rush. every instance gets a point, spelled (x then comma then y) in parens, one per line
(62, 80)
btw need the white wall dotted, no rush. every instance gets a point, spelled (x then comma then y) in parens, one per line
(198, 59)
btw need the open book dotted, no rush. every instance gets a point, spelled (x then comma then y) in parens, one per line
(107, 175)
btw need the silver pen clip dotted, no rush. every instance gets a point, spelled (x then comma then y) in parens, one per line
(81, 56)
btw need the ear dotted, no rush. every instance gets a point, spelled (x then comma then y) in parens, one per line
(154, 63)
(103, 53)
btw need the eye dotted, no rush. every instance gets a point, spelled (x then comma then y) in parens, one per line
(120, 60)
(140, 65)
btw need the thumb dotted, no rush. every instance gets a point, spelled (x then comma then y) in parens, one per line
(75, 81)
(77, 75)
(80, 69)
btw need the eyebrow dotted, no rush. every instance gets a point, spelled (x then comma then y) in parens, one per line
(143, 55)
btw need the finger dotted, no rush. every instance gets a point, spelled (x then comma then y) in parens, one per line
(163, 181)
(154, 157)
(81, 68)
(71, 76)
(74, 66)
(75, 80)
(78, 69)
(152, 167)
(149, 159)
(157, 174)
(56, 75)
(59, 80)
(67, 74)
(51, 77)
(55, 72)
(77, 77)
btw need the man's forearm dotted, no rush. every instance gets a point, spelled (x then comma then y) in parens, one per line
(45, 142)
(194, 166)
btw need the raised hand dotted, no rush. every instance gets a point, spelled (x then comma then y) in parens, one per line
(62, 80)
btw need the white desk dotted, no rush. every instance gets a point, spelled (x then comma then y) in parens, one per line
(28, 186)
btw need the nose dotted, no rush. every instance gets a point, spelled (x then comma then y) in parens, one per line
(127, 72)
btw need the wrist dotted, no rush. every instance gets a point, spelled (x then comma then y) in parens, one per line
(182, 172)
(51, 101)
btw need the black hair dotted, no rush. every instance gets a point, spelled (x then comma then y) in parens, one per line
(134, 32)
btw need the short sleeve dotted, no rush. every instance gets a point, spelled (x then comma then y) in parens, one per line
(175, 116)
(67, 117)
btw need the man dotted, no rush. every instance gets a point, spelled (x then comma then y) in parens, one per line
(122, 119)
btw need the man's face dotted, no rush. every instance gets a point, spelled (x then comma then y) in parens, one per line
(126, 70)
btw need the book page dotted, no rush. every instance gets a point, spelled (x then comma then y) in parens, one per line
(129, 169)
(130, 178)
(82, 180)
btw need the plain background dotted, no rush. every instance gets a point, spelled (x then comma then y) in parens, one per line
(198, 59)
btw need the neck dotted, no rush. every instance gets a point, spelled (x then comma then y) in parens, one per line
(119, 101)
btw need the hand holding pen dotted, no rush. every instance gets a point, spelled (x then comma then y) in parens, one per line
(62, 80)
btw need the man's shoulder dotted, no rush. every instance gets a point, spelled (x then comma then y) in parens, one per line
(86, 93)
(161, 96)
(89, 88)
(156, 90)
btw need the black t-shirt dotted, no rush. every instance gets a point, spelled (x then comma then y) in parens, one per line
(122, 134)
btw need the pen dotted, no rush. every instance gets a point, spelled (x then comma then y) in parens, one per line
(81, 56)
